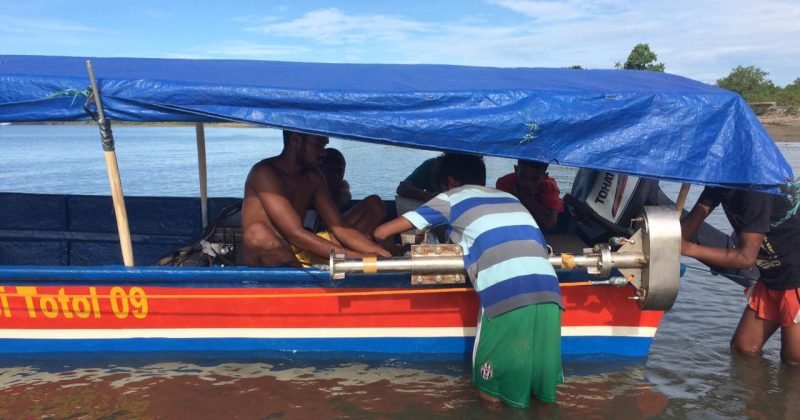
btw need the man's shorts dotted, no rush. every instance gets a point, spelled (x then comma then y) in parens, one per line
(781, 306)
(518, 354)
(307, 259)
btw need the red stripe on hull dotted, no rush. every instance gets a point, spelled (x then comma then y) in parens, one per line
(84, 307)
(605, 305)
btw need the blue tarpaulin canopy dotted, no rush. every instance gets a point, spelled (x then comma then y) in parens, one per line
(635, 122)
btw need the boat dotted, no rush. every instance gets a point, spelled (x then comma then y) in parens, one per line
(69, 282)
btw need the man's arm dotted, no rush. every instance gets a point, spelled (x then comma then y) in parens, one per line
(414, 185)
(407, 189)
(350, 237)
(744, 256)
(531, 198)
(393, 227)
(545, 217)
(282, 214)
(692, 222)
(343, 196)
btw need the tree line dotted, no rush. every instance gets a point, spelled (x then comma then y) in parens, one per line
(749, 81)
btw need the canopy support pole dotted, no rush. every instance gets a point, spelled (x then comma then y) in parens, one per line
(682, 195)
(201, 166)
(107, 139)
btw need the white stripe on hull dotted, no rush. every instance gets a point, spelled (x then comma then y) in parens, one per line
(321, 333)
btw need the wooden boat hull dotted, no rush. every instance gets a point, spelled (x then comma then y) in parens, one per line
(68, 309)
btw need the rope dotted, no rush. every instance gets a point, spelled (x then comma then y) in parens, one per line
(716, 273)
(106, 136)
(567, 261)
(296, 295)
(75, 93)
(87, 105)
(792, 191)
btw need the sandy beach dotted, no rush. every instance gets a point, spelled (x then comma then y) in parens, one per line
(782, 128)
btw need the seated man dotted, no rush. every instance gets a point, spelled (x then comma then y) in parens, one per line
(536, 190)
(420, 186)
(333, 167)
(365, 215)
(278, 191)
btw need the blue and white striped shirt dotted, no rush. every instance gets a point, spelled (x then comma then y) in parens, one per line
(505, 253)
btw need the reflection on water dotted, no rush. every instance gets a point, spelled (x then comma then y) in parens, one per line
(690, 371)
(224, 390)
(214, 389)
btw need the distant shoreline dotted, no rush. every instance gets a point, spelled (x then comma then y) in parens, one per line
(781, 128)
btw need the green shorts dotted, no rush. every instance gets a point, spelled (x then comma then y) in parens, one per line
(518, 354)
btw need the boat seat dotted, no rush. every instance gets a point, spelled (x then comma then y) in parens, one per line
(569, 243)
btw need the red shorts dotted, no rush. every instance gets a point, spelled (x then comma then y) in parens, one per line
(781, 306)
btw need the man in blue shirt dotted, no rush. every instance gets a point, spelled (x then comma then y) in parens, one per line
(505, 256)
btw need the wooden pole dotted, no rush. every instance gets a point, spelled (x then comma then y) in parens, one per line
(107, 139)
(201, 166)
(682, 195)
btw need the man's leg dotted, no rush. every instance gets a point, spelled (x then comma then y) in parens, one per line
(790, 345)
(262, 247)
(366, 215)
(751, 333)
(790, 328)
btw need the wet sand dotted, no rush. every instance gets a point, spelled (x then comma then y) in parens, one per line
(783, 129)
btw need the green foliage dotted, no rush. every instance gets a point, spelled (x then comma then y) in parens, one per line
(751, 82)
(642, 58)
(790, 95)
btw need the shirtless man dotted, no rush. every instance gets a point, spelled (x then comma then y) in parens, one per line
(277, 192)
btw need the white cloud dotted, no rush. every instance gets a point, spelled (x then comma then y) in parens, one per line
(244, 50)
(46, 36)
(333, 27)
(252, 50)
(558, 10)
(42, 28)
(699, 39)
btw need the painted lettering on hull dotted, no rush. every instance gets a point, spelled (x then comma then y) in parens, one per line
(120, 302)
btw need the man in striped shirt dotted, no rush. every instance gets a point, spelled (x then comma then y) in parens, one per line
(518, 345)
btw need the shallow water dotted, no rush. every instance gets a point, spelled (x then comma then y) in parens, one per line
(689, 373)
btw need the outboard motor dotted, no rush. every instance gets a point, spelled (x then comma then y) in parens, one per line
(604, 203)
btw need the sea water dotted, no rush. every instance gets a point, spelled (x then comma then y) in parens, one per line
(689, 373)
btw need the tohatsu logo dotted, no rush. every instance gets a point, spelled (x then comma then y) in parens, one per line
(606, 188)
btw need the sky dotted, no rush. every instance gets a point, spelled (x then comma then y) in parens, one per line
(700, 39)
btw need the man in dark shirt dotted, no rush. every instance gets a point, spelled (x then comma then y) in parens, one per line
(770, 242)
